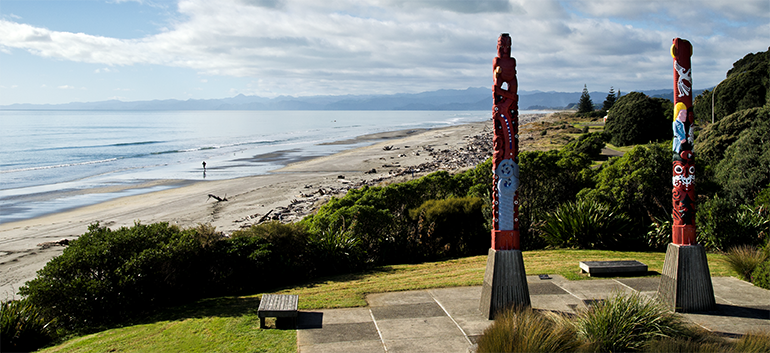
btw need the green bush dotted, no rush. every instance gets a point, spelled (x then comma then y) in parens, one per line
(745, 169)
(721, 224)
(528, 330)
(452, 227)
(23, 327)
(627, 323)
(287, 246)
(584, 225)
(712, 142)
(746, 86)
(761, 275)
(590, 144)
(107, 277)
(639, 185)
(375, 225)
(636, 119)
(659, 235)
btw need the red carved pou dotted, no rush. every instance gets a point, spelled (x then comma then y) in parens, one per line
(505, 232)
(683, 180)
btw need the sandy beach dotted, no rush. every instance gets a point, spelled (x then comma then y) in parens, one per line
(286, 194)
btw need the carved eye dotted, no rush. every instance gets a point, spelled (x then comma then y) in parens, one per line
(678, 169)
(692, 170)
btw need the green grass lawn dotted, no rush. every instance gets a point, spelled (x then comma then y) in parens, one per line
(230, 324)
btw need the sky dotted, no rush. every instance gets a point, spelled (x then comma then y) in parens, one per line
(62, 51)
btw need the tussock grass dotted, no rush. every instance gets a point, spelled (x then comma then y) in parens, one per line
(682, 345)
(754, 342)
(528, 330)
(622, 323)
(744, 259)
(625, 323)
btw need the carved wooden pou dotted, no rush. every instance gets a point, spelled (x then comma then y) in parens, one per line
(683, 229)
(505, 232)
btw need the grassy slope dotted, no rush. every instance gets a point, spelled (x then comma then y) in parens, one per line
(230, 324)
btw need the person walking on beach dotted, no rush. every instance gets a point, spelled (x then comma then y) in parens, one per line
(204, 166)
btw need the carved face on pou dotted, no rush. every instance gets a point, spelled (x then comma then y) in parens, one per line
(684, 174)
(504, 46)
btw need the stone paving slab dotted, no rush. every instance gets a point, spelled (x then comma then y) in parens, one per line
(428, 345)
(359, 331)
(594, 289)
(644, 284)
(416, 328)
(736, 292)
(344, 347)
(407, 311)
(448, 319)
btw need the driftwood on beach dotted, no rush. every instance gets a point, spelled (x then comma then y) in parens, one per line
(215, 197)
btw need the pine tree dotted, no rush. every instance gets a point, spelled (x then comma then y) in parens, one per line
(585, 105)
(610, 100)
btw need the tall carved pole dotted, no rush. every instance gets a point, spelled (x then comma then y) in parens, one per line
(685, 284)
(505, 281)
(505, 234)
(683, 230)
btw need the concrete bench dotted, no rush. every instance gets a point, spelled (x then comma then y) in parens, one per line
(604, 268)
(277, 306)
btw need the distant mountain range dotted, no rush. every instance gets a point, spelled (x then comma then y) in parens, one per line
(475, 98)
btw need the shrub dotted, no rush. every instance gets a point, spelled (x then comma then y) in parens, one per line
(636, 118)
(287, 246)
(23, 327)
(639, 185)
(626, 323)
(527, 330)
(452, 227)
(722, 224)
(744, 172)
(377, 221)
(659, 235)
(746, 86)
(713, 141)
(107, 277)
(590, 144)
(744, 260)
(104, 274)
(761, 275)
(584, 225)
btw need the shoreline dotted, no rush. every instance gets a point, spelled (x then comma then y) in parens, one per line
(284, 194)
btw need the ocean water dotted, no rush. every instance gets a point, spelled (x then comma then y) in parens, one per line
(49, 158)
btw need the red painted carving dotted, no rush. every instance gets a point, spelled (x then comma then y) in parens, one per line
(683, 228)
(505, 234)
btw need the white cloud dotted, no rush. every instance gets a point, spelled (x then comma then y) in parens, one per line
(106, 70)
(66, 87)
(344, 46)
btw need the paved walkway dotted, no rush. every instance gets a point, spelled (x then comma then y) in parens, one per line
(448, 319)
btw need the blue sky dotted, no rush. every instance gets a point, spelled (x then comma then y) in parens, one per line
(63, 51)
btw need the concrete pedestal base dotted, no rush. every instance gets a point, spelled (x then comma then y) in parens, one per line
(685, 285)
(505, 282)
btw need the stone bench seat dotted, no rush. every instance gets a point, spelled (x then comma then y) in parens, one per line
(277, 306)
(609, 268)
